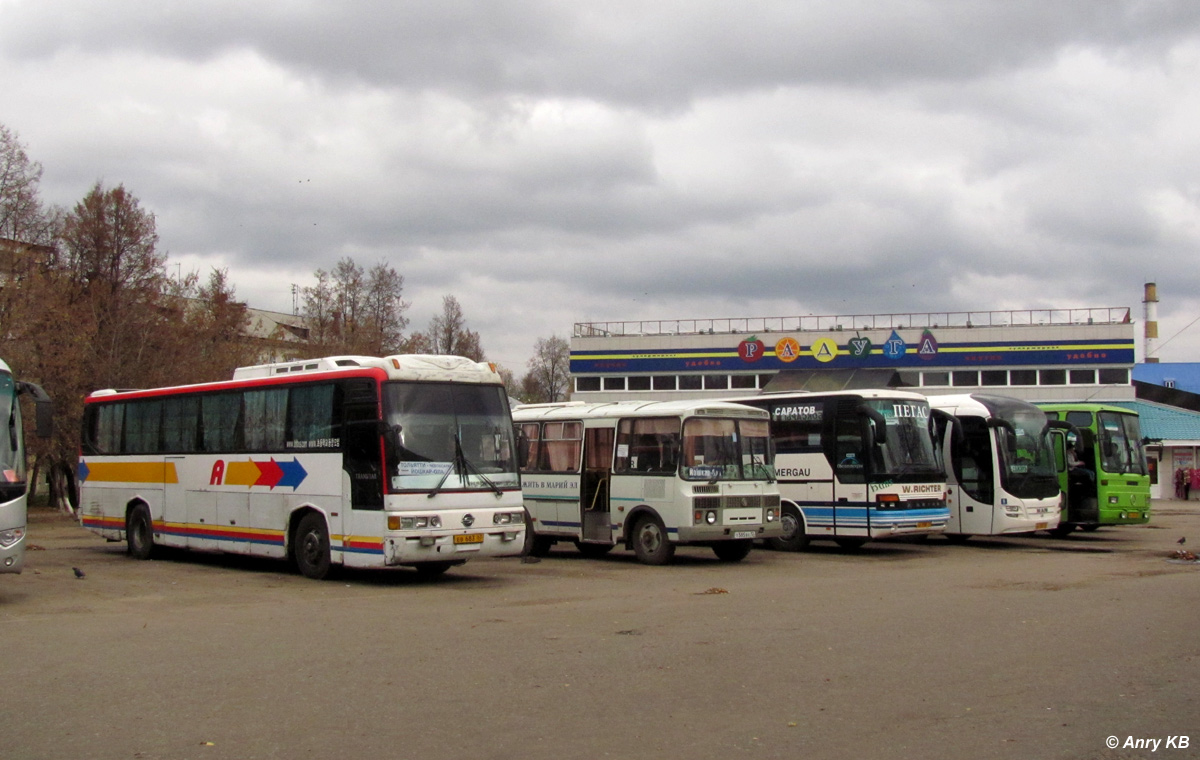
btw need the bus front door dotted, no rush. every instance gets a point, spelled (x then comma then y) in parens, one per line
(594, 488)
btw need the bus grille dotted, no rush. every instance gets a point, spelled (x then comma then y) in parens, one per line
(756, 501)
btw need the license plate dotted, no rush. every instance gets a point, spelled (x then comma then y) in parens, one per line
(743, 534)
(469, 538)
(1135, 515)
(924, 525)
(1043, 526)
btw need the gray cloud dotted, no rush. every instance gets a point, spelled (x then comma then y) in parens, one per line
(550, 163)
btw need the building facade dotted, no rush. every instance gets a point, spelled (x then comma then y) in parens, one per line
(1037, 355)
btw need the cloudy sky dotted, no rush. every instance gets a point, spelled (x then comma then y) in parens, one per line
(550, 162)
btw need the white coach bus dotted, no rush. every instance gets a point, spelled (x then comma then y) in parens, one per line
(999, 466)
(355, 461)
(854, 466)
(647, 475)
(14, 490)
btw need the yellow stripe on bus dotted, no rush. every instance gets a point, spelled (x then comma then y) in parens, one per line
(241, 474)
(132, 472)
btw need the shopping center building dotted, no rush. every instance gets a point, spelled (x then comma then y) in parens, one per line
(1036, 354)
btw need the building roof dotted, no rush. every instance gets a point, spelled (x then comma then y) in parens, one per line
(1160, 422)
(1185, 375)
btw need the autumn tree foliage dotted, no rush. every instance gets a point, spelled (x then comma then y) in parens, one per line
(85, 303)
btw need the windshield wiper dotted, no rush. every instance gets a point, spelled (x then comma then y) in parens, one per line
(463, 467)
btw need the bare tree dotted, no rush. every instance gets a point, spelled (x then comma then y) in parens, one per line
(350, 311)
(448, 333)
(383, 310)
(23, 219)
(549, 376)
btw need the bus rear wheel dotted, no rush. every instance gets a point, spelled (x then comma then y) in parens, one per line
(312, 547)
(1062, 530)
(650, 542)
(733, 551)
(139, 532)
(794, 538)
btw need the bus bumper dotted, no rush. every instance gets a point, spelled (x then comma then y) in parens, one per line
(12, 554)
(453, 547)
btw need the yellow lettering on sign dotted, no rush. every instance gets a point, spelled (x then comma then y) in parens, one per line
(824, 349)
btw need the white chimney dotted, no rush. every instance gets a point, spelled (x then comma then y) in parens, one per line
(1150, 346)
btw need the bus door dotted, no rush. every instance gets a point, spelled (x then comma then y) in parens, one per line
(594, 486)
(852, 441)
(974, 462)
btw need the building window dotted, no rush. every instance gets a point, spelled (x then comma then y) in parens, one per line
(1114, 377)
(716, 382)
(742, 381)
(664, 382)
(639, 383)
(763, 380)
(1083, 377)
(690, 382)
(1052, 376)
(966, 378)
(583, 384)
(1022, 377)
(935, 379)
(614, 383)
(994, 377)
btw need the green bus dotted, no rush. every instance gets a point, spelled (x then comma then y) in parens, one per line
(1101, 466)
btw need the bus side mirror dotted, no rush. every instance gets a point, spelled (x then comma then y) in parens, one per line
(43, 408)
(522, 449)
(879, 426)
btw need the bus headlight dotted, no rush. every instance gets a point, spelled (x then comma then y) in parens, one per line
(710, 517)
(415, 522)
(772, 515)
(11, 536)
(1113, 499)
(508, 518)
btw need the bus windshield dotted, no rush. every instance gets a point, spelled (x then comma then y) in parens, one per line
(1121, 443)
(454, 436)
(908, 449)
(12, 457)
(1027, 467)
(727, 449)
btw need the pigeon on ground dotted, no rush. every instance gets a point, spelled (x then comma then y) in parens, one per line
(78, 572)
(1182, 541)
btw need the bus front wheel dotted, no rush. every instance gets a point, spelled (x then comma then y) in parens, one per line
(794, 538)
(593, 550)
(312, 547)
(139, 532)
(650, 542)
(733, 551)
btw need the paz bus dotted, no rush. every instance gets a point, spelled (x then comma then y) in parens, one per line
(1000, 468)
(854, 466)
(647, 475)
(14, 490)
(1101, 466)
(349, 460)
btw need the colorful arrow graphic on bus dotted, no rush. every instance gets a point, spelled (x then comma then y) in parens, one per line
(271, 474)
